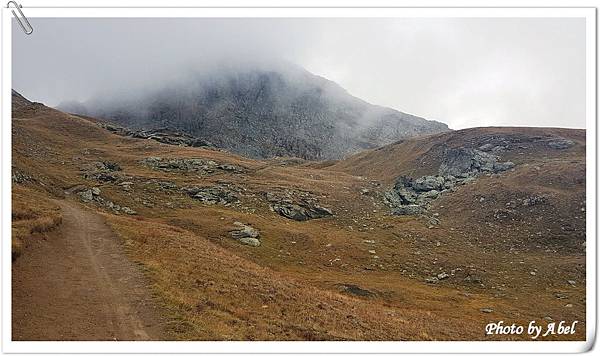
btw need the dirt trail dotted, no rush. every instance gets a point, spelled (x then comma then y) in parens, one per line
(77, 284)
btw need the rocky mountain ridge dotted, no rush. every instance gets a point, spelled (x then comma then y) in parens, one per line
(263, 112)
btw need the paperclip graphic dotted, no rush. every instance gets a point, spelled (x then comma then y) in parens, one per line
(29, 29)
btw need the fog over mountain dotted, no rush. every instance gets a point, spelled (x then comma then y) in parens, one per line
(260, 109)
(466, 72)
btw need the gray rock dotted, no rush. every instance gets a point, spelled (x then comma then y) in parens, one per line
(459, 166)
(19, 177)
(95, 191)
(433, 221)
(254, 242)
(560, 143)
(411, 209)
(486, 310)
(212, 195)
(486, 147)
(302, 212)
(196, 165)
(241, 231)
(442, 276)
(86, 196)
(128, 210)
(166, 185)
(163, 135)
(428, 183)
(430, 195)
(467, 162)
(504, 166)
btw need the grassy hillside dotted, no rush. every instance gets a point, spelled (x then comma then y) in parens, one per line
(510, 243)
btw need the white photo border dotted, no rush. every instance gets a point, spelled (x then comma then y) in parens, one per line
(9, 346)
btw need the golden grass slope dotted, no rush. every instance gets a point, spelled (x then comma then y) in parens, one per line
(318, 279)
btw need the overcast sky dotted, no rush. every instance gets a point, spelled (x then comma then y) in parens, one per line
(464, 72)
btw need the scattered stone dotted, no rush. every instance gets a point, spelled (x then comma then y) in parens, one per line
(128, 210)
(103, 171)
(195, 165)
(571, 282)
(19, 177)
(95, 191)
(442, 276)
(486, 310)
(433, 221)
(534, 200)
(166, 185)
(86, 196)
(560, 143)
(473, 279)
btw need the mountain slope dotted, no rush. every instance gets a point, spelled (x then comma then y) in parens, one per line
(262, 112)
(332, 261)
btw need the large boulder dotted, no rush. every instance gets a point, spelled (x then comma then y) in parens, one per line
(301, 212)
(245, 234)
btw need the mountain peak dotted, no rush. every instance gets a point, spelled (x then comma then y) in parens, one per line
(263, 111)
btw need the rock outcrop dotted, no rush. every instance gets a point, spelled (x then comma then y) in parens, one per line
(164, 135)
(411, 196)
(301, 212)
(212, 195)
(196, 165)
(299, 206)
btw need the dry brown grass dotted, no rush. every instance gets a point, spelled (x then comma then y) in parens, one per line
(214, 294)
(288, 288)
(33, 214)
